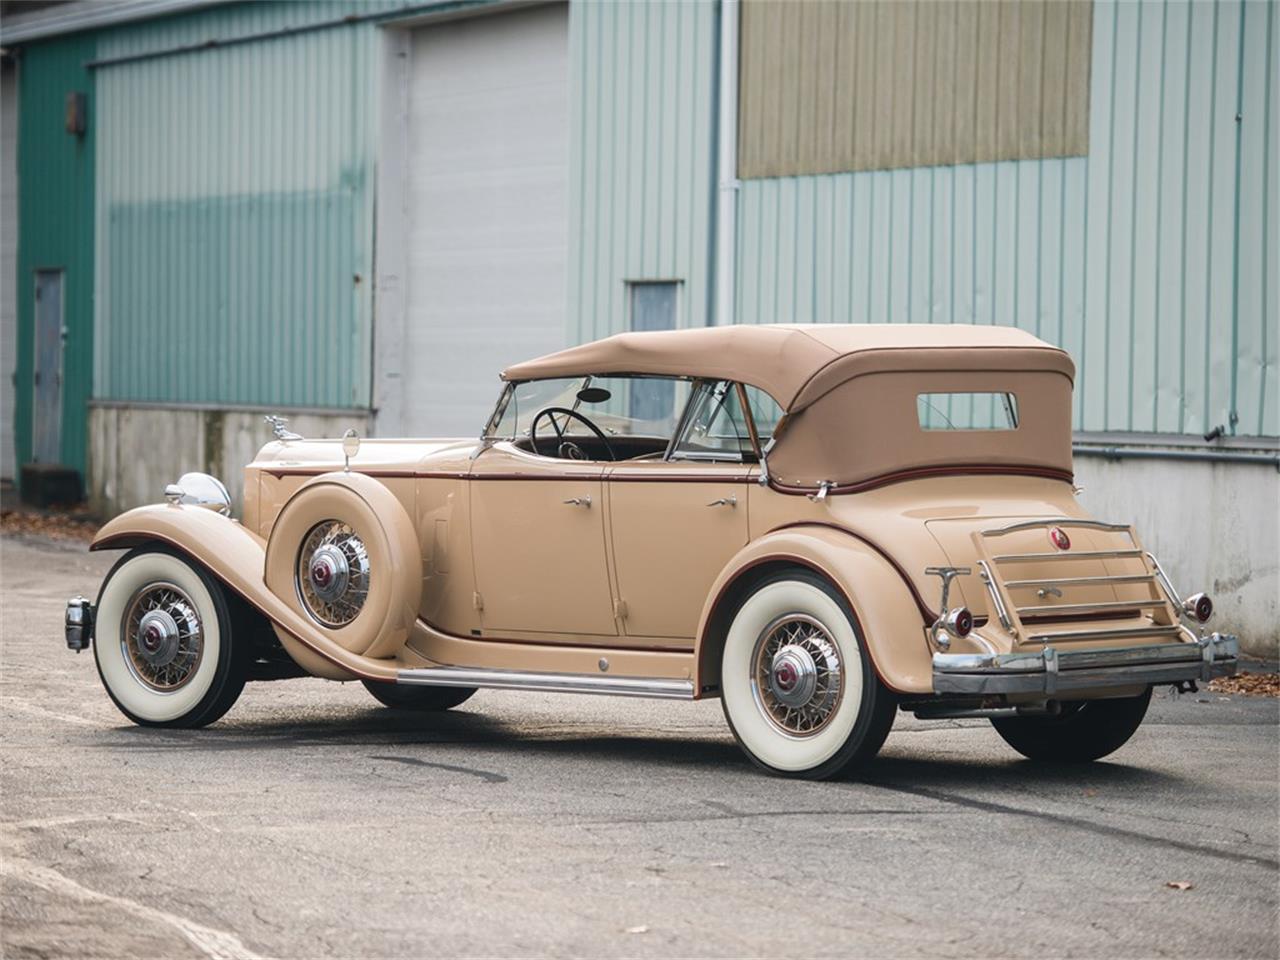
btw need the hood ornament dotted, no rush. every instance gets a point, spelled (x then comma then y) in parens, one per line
(278, 428)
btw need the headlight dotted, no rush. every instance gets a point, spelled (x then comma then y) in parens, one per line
(200, 490)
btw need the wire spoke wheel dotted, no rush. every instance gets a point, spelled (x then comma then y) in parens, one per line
(333, 573)
(797, 675)
(162, 637)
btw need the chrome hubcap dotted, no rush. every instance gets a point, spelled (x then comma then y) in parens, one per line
(162, 637)
(329, 573)
(333, 573)
(798, 677)
(793, 679)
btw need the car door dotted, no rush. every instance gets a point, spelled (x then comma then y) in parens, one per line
(675, 524)
(538, 541)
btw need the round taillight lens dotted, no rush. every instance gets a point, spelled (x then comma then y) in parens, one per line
(1200, 607)
(958, 622)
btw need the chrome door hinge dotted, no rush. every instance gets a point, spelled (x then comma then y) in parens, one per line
(477, 601)
(620, 609)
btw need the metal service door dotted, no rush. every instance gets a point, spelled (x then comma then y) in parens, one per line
(46, 438)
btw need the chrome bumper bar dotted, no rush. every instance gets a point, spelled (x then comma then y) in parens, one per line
(1051, 671)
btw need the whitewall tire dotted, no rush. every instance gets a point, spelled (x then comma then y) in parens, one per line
(797, 684)
(164, 641)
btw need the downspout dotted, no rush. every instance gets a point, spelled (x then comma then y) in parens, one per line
(727, 168)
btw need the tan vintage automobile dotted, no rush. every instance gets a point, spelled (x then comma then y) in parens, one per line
(820, 525)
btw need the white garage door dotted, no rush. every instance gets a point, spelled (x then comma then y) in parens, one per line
(488, 215)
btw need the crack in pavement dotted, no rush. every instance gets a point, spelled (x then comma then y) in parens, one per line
(725, 812)
(1080, 823)
(488, 776)
(215, 944)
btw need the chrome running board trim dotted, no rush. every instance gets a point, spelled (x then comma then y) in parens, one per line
(657, 688)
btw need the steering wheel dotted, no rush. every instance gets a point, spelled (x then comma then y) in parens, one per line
(566, 449)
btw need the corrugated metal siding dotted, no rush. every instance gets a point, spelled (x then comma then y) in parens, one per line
(1153, 260)
(642, 110)
(8, 259)
(220, 23)
(830, 86)
(234, 216)
(55, 229)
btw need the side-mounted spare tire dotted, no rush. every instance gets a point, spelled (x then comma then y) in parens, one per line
(343, 553)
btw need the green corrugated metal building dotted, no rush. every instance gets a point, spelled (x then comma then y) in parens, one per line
(356, 213)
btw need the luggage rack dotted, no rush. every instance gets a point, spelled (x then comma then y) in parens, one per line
(1020, 619)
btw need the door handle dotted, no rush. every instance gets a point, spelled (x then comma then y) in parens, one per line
(724, 502)
(579, 501)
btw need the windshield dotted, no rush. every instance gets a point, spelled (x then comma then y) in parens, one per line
(619, 406)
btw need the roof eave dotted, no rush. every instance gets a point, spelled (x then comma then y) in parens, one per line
(81, 15)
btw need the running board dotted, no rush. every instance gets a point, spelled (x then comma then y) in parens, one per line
(653, 687)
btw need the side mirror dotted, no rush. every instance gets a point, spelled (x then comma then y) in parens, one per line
(350, 447)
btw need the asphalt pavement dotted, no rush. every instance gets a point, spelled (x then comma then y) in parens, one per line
(312, 822)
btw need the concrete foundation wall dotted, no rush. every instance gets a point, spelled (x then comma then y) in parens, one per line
(134, 451)
(1213, 526)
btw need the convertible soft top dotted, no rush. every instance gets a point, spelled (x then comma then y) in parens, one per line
(797, 364)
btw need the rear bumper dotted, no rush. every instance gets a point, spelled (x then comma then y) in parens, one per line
(1051, 671)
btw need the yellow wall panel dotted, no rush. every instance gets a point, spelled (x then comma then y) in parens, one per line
(829, 86)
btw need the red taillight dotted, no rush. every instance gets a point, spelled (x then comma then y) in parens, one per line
(1199, 607)
(958, 622)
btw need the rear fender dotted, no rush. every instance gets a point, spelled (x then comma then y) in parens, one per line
(891, 619)
(237, 557)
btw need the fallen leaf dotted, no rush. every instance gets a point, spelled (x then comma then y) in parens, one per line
(1249, 684)
(1180, 885)
(73, 524)
(640, 929)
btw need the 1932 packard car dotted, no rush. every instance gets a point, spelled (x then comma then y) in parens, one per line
(818, 524)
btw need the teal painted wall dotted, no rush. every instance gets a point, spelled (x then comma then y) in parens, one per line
(1152, 260)
(642, 112)
(235, 211)
(55, 217)
(235, 206)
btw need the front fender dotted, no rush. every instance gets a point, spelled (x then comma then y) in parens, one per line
(891, 616)
(237, 557)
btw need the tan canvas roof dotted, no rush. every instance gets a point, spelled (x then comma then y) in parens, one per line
(798, 363)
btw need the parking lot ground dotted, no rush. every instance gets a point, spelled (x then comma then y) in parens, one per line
(312, 822)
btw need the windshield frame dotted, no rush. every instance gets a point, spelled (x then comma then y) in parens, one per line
(489, 436)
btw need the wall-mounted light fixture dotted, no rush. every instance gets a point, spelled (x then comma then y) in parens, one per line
(77, 114)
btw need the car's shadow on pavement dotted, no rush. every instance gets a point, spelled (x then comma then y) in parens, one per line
(411, 736)
(1012, 771)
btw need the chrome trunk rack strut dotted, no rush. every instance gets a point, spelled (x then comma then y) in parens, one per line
(1038, 607)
